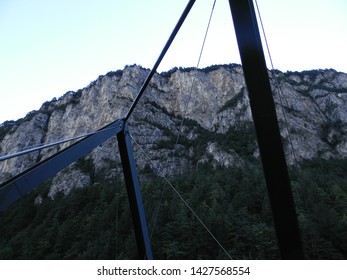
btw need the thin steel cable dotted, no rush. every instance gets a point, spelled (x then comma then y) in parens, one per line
(181, 198)
(47, 145)
(12, 149)
(281, 95)
(263, 30)
(180, 129)
(197, 66)
(277, 86)
(207, 29)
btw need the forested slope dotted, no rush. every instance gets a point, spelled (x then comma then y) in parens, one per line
(95, 222)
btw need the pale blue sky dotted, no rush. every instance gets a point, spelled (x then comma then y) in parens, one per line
(49, 47)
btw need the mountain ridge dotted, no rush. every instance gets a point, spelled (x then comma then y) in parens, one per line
(311, 108)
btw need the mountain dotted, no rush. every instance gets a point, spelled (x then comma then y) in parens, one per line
(188, 119)
(213, 101)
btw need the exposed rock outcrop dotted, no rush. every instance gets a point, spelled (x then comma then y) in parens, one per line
(212, 102)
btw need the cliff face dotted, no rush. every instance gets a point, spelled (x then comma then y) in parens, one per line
(213, 104)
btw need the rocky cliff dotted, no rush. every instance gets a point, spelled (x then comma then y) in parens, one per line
(186, 117)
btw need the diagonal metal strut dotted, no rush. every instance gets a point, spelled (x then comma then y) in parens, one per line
(26, 181)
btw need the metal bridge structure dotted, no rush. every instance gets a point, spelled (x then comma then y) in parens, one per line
(266, 127)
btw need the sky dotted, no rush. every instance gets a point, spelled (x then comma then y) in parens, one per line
(50, 47)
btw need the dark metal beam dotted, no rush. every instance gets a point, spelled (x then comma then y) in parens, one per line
(134, 195)
(267, 129)
(23, 183)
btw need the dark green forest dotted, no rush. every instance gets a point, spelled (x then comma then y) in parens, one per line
(95, 222)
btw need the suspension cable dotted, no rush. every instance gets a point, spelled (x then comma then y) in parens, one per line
(161, 174)
(277, 86)
(44, 146)
(183, 115)
(207, 29)
(197, 66)
(281, 97)
(193, 79)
